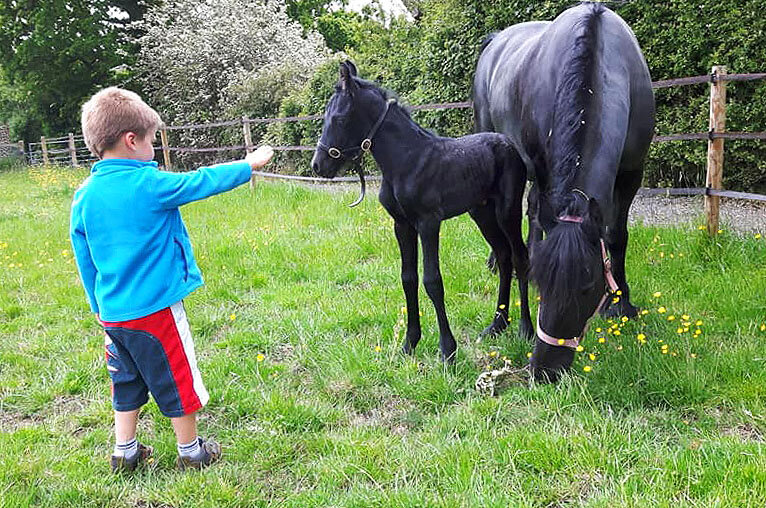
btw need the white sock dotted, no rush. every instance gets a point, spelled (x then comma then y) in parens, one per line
(126, 449)
(189, 449)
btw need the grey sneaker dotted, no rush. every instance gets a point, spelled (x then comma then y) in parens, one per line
(210, 454)
(124, 464)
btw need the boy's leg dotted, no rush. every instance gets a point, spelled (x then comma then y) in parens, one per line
(125, 425)
(129, 393)
(193, 451)
(185, 428)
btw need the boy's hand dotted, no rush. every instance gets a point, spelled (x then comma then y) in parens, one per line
(260, 157)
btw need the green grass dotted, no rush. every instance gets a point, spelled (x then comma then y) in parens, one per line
(326, 420)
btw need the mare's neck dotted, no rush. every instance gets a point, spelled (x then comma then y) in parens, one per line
(398, 142)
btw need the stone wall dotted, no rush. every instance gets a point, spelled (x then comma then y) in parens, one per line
(5, 139)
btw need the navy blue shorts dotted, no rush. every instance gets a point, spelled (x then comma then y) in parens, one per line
(154, 354)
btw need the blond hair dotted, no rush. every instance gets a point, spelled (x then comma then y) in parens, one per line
(112, 112)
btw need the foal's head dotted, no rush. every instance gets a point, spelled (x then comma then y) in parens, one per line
(349, 121)
(568, 269)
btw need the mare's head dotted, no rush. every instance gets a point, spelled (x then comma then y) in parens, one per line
(568, 269)
(350, 122)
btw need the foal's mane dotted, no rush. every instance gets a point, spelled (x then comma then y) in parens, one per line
(573, 98)
(387, 94)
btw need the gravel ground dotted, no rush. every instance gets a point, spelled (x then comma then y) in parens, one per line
(742, 217)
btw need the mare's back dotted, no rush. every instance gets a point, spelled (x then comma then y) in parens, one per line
(521, 71)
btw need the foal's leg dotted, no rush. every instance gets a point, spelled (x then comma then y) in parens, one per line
(626, 186)
(407, 237)
(509, 217)
(485, 218)
(432, 280)
(535, 233)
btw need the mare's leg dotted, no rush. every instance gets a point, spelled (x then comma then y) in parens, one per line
(407, 237)
(626, 186)
(485, 218)
(432, 280)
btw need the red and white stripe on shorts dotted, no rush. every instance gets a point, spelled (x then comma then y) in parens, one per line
(171, 328)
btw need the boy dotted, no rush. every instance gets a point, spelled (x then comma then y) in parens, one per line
(136, 264)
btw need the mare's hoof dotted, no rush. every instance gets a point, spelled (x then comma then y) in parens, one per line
(618, 310)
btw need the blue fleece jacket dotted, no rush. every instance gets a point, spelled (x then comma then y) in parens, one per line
(130, 244)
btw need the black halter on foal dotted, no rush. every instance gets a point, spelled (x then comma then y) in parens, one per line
(365, 146)
(337, 153)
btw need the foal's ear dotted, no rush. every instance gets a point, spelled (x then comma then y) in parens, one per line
(351, 67)
(347, 73)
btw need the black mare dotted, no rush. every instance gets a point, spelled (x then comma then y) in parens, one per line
(575, 96)
(428, 179)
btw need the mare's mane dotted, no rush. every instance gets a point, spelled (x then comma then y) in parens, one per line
(574, 95)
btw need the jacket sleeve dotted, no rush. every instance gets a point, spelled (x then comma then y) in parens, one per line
(176, 189)
(83, 258)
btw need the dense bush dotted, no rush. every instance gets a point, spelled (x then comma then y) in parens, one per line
(433, 60)
(204, 61)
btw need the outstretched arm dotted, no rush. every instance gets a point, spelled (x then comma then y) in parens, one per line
(176, 189)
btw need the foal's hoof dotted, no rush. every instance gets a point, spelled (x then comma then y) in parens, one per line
(448, 354)
(494, 329)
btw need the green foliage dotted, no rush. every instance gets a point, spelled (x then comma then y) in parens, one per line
(308, 100)
(340, 28)
(687, 38)
(55, 54)
(343, 29)
(433, 60)
(306, 11)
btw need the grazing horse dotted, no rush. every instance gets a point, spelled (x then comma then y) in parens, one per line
(428, 179)
(576, 98)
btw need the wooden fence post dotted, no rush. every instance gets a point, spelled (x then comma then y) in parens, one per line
(72, 151)
(248, 143)
(21, 150)
(44, 148)
(165, 148)
(715, 147)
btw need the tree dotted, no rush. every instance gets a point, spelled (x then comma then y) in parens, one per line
(55, 53)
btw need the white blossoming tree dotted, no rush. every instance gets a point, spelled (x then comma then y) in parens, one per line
(202, 61)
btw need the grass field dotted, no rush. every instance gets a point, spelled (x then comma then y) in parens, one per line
(298, 332)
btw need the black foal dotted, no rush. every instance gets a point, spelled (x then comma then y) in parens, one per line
(428, 179)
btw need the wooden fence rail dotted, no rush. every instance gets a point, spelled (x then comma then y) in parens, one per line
(52, 149)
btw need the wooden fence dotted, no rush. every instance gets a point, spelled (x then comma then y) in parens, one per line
(70, 149)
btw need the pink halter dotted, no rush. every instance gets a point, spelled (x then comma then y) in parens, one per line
(611, 285)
